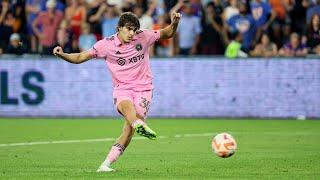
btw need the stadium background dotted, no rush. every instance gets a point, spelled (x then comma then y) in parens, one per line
(184, 87)
(58, 120)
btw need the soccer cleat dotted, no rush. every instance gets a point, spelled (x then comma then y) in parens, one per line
(145, 131)
(103, 168)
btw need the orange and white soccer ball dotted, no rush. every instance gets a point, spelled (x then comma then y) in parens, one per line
(224, 145)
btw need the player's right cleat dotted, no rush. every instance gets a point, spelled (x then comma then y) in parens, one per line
(145, 131)
(103, 168)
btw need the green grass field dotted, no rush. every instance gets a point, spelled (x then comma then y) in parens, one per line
(267, 149)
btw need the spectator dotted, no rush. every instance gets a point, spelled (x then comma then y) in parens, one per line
(233, 49)
(214, 21)
(315, 9)
(294, 47)
(260, 12)
(118, 4)
(145, 19)
(64, 39)
(263, 15)
(76, 15)
(49, 22)
(313, 34)
(282, 24)
(265, 48)
(170, 4)
(128, 5)
(298, 15)
(231, 10)
(160, 8)
(6, 24)
(163, 47)
(110, 20)
(18, 12)
(213, 34)
(60, 6)
(93, 17)
(87, 39)
(244, 24)
(32, 10)
(16, 46)
(196, 7)
(189, 29)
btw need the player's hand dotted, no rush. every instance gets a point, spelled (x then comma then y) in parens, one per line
(57, 51)
(175, 17)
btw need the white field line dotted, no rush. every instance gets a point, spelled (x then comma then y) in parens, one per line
(94, 140)
(159, 137)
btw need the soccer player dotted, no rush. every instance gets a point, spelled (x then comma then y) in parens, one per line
(126, 54)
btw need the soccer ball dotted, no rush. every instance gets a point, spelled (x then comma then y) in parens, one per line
(224, 145)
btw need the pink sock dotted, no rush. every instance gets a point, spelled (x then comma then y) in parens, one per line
(137, 122)
(116, 150)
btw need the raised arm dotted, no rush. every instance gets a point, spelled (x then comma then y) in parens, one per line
(169, 31)
(75, 58)
(97, 16)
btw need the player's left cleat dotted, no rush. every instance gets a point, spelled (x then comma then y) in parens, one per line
(103, 168)
(145, 131)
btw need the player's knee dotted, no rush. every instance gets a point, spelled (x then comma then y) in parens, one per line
(126, 108)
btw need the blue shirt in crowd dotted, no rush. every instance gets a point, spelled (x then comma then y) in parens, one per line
(86, 41)
(311, 11)
(246, 26)
(189, 27)
(109, 26)
(260, 12)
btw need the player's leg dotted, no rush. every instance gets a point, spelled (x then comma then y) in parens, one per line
(127, 133)
(118, 148)
(127, 109)
(133, 119)
(142, 101)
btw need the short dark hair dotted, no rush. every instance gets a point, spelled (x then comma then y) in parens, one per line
(129, 19)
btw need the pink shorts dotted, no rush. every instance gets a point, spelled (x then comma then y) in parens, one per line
(140, 99)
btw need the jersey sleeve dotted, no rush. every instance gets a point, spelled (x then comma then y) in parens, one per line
(99, 49)
(151, 36)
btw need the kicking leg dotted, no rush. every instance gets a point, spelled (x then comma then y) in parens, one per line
(127, 133)
(127, 109)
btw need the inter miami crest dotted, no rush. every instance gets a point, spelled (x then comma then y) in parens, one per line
(138, 47)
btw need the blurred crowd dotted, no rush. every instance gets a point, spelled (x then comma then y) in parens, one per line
(234, 28)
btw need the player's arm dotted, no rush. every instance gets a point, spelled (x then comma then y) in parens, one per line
(170, 31)
(75, 58)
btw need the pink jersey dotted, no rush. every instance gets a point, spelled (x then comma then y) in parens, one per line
(128, 62)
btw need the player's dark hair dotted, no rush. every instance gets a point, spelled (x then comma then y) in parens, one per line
(129, 19)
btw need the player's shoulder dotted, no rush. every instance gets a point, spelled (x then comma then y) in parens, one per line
(140, 31)
(145, 32)
(108, 41)
(105, 43)
(110, 38)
